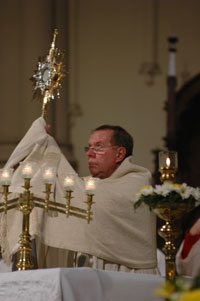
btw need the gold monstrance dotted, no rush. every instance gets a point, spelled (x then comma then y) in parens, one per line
(47, 77)
(47, 80)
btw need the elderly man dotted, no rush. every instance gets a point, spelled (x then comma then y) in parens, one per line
(118, 238)
(108, 147)
(124, 239)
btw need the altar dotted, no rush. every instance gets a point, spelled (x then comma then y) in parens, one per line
(78, 284)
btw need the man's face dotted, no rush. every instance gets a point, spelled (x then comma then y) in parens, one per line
(103, 163)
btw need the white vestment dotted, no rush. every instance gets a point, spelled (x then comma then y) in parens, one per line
(189, 266)
(118, 234)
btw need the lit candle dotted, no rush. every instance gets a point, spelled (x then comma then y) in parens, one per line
(69, 182)
(27, 171)
(168, 162)
(6, 176)
(49, 175)
(90, 185)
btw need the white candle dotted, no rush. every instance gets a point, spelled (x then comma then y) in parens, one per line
(90, 185)
(49, 175)
(6, 176)
(168, 162)
(69, 183)
(27, 171)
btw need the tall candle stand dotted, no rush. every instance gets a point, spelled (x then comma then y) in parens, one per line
(171, 214)
(27, 201)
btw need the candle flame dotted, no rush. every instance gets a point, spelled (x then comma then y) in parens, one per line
(68, 181)
(48, 173)
(168, 162)
(5, 174)
(45, 100)
(28, 168)
(91, 184)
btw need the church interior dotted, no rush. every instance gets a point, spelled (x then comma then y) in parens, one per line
(131, 63)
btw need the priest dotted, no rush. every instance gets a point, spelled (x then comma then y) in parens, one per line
(118, 238)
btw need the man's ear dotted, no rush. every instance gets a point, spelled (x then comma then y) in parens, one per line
(121, 153)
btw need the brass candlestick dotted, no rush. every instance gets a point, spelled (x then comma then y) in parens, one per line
(170, 212)
(170, 231)
(168, 163)
(5, 194)
(86, 214)
(47, 198)
(168, 174)
(25, 206)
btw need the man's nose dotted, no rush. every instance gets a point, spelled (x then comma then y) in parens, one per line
(91, 153)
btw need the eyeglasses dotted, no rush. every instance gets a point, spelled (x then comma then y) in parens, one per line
(98, 148)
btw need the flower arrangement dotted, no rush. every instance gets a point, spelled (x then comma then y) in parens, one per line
(180, 289)
(167, 192)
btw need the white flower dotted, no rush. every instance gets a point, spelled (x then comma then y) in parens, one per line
(178, 188)
(196, 193)
(162, 190)
(168, 185)
(174, 296)
(185, 194)
(187, 191)
(183, 190)
(138, 196)
(146, 191)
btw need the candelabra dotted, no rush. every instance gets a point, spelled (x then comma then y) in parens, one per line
(170, 213)
(27, 201)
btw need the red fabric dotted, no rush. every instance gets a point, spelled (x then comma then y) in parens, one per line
(189, 241)
(48, 128)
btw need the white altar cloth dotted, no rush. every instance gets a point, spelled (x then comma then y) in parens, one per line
(78, 284)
